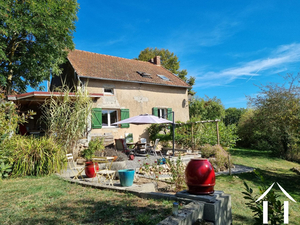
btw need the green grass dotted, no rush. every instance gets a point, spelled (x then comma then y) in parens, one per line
(50, 200)
(273, 169)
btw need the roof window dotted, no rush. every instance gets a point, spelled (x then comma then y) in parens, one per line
(163, 77)
(144, 74)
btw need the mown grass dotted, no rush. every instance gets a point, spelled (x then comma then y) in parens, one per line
(50, 200)
(273, 169)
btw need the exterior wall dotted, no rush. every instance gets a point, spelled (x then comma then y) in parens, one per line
(139, 99)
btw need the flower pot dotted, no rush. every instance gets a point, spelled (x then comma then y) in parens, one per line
(200, 177)
(126, 177)
(90, 168)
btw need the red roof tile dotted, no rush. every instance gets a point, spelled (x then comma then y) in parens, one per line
(93, 65)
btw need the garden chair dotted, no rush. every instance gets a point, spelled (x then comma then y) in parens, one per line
(76, 170)
(154, 148)
(106, 174)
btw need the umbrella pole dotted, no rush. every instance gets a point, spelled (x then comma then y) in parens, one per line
(173, 125)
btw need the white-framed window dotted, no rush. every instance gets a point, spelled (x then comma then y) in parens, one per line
(109, 116)
(109, 91)
(162, 113)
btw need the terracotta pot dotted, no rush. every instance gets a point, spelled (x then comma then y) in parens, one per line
(200, 177)
(90, 168)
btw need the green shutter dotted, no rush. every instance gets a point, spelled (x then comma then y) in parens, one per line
(124, 115)
(96, 118)
(155, 111)
(170, 114)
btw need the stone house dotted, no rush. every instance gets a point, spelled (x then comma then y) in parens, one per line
(123, 88)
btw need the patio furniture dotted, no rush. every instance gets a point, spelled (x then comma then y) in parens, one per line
(76, 170)
(122, 146)
(142, 145)
(154, 148)
(105, 175)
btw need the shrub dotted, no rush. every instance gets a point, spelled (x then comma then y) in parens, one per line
(95, 144)
(66, 116)
(112, 152)
(177, 169)
(34, 156)
(275, 206)
(218, 156)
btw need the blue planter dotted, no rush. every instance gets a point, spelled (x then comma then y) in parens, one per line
(126, 177)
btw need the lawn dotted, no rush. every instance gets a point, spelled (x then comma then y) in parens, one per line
(273, 169)
(51, 200)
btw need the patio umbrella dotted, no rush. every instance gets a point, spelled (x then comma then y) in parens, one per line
(148, 119)
(143, 119)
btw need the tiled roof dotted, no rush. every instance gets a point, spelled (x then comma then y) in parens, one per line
(93, 65)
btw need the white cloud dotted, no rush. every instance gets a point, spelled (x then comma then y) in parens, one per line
(279, 58)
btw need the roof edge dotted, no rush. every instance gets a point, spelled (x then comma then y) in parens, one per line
(137, 82)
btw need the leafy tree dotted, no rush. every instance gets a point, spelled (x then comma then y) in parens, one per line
(34, 38)
(277, 115)
(207, 108)
(169, 61)
(233, 115)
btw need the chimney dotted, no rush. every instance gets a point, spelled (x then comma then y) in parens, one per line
(157, 60)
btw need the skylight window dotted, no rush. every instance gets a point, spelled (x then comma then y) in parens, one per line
(144, 74)
(163, 77)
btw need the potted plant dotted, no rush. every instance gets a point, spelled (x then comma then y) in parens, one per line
(90, 166)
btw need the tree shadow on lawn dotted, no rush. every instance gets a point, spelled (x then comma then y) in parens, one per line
(289, 182)
(98, 212)
(251, 153)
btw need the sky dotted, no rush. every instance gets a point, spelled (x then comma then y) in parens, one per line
(229, 46)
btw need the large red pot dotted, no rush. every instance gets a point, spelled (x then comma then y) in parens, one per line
(200, 177)
(90, 168)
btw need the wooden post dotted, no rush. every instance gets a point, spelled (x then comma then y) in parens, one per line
(218, 137)
(229, 164)
(193, 146)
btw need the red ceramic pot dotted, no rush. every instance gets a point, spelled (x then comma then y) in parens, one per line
(90, 168)
(200, 177)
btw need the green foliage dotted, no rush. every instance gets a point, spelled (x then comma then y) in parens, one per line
(95, 144)
(67, 116)
(33, 156)
(5, 169)
(275, 207)
(219, 155)
(34, 38)
(169, 61)
(161, 132)
(177, 169)
(10, 118)
(233, 115)
(207, 108)
(274, 122)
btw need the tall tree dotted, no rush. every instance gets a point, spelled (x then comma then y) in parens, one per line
(233, 115)
(207, 108)
(277, 115)
(34, 38)
(168, 60)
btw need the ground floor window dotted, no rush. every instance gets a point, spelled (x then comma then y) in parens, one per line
(162, 113)
(109, 117)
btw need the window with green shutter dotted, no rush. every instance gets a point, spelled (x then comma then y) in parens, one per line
(124, 115)
(155, 111)
(96, 118)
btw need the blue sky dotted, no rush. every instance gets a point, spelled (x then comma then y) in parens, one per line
(227, 45)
